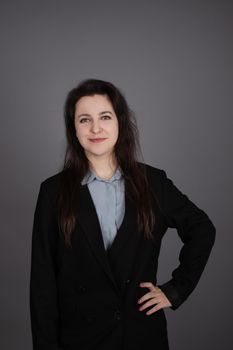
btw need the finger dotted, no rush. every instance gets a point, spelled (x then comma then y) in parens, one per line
(146, 296)
(154, 309)
(147, 285)
(161, 305)
(148, 304)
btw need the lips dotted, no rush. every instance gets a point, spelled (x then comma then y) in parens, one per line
(97, 140)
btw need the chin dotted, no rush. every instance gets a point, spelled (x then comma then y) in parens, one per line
(100, 153)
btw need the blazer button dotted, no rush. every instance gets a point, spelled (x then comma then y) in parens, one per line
(117, 315)
(127, 281)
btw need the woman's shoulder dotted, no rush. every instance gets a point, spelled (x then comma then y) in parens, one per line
(153, 172)
(51, 184)
(52, 179)
(156, 177)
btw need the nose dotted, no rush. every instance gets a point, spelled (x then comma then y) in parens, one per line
(95, 127)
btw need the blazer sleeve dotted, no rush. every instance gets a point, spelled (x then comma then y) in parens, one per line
(43, 288)
(197, 233)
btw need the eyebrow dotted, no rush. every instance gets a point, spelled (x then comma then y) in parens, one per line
(88, 115)
(83, 115)
(106, 112)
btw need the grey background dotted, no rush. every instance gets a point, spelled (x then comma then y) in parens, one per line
(173, 61)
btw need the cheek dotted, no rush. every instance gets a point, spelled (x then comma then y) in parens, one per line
(115, 129)
(80, 136)
(79, 131)
(116, 134)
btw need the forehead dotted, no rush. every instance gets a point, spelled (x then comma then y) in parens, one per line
(93, 103)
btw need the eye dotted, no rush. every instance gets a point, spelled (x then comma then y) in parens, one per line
(106, 117)
(83, 120)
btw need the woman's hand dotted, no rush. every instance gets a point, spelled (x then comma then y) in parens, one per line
(155, 297)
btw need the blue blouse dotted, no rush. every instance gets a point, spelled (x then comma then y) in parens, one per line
(109, 200)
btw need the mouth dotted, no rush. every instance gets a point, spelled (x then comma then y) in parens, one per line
(97, 140)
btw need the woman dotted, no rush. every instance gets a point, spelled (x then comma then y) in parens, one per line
(97, 233)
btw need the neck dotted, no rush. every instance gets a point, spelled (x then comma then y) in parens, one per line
(104, 168)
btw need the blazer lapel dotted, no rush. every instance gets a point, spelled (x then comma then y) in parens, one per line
(88, 219)
(116, 262)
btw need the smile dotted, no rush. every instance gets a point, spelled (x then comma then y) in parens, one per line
(97, 140)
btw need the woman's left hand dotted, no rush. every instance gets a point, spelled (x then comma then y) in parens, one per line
(155, 297)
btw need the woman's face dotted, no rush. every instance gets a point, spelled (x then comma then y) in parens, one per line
(96, 126)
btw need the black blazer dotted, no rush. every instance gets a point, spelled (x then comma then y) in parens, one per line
(86, 297)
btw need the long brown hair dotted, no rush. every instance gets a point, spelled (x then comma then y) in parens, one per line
(127, 152)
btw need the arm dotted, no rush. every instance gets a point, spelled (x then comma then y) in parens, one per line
(197, 233)
(43, 288)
